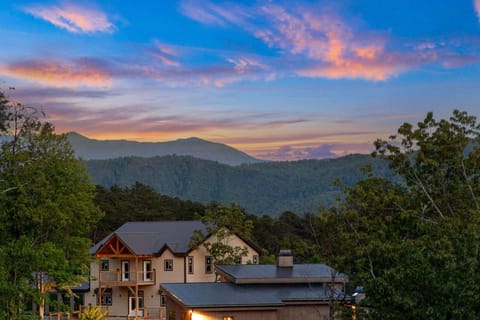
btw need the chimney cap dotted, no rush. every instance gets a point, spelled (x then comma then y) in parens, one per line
(285, 252)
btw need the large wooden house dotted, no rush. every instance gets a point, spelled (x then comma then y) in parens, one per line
(132, 262)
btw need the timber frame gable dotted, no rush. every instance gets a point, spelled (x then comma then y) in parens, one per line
(114, 247)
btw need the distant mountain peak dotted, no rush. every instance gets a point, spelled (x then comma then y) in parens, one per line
(92, 149)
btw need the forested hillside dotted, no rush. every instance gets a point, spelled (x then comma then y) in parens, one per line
(141, 203)
(263, 188)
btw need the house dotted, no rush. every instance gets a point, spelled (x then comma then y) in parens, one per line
(282, 291)
(134, 260)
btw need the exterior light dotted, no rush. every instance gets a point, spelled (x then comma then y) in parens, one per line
(196, 316)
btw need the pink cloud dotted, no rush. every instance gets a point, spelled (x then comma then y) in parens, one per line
(59, 74)
(297, 152)
(243, 64)
(476, 5)
(73, 18)
(167, 54)
(317, 42)
(333, 48)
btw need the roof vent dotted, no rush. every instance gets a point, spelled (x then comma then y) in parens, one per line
(285, 258)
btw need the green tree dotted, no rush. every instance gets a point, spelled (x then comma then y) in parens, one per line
(222, 223)
(414, 245)
(46, 212)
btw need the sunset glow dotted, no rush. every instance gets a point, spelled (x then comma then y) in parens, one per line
(280, 80)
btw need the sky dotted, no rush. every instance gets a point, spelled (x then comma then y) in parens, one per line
(280, 80)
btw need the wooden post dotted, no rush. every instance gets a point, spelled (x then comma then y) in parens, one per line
(136, 288)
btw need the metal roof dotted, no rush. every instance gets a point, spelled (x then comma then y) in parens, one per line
(271, 273)
(150, 237)
(217, 295)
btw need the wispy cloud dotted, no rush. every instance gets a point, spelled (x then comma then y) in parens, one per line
(290, 152)
(332, 47)
(319, 43)
(73, 17)
(166, 54)
(476, 5)
(207, 12)
(78, 73)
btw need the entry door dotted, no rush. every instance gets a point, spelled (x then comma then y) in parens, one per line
(132, 306)
(125, 270)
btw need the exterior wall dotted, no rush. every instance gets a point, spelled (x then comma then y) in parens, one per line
(179, 312)
(90, 298)
(199, 268)
(178, 272)
(304, 312)
(289, 312)
(237, 315)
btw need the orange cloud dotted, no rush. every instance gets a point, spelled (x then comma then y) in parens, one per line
(334, 50)
(73, 18)
(368, 52)
(59, 74)
(352, 69)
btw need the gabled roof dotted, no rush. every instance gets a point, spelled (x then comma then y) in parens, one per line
(230, 295)
(152, 237)
(271, 273)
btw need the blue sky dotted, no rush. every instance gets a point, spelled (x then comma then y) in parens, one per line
(281, 80)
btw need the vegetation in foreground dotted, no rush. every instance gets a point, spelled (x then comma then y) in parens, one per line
(46, 212)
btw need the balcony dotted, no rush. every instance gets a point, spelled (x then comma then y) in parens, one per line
(127, 279)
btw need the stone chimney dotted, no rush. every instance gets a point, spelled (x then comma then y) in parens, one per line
(285, 259)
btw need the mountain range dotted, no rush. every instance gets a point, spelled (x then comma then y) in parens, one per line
(89, 149)
(198, 170)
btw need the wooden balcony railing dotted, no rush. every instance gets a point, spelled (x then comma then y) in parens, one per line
(150, 314)
(143, 314)
(118, 278)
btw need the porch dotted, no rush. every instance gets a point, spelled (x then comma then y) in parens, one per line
(142, 314)
(122, 278)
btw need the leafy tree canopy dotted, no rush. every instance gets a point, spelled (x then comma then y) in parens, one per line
(414, 245)
(222, 223)
(46, 211)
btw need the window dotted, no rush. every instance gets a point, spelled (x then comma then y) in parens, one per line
(190, 265)
(125, 270)
(107, 300)
(105, 295)
(255, 259)
(168, 264)
(163, 300)
(104, 265)
(208, 264)
(147, 270)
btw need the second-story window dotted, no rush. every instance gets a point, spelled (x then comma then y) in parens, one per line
(168, 264)
(190, 264)
(255, 259)
(208, 264)
(147, 270)
(104, 265)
